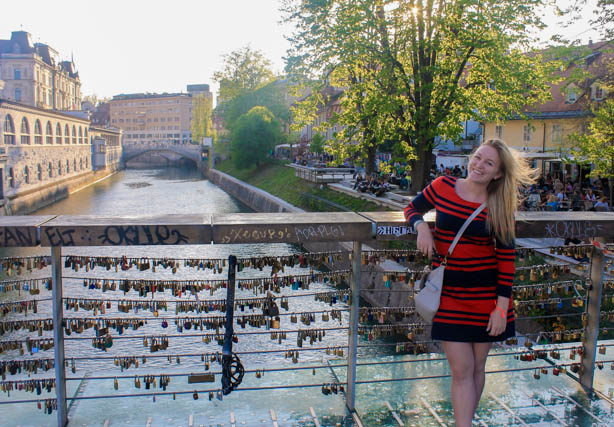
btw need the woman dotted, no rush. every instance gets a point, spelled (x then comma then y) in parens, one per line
(476, 308)
(602, 205)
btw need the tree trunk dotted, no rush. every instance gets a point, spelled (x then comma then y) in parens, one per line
(610, 185)
(370, 163)
(420, 168)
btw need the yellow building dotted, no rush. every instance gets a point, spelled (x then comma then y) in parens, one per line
(33, 74)
(147, 118)
(546, 132)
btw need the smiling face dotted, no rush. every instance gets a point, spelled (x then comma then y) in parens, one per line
(484, 165)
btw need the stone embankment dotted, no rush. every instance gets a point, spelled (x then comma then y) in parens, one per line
(373, 286)
(29, 201)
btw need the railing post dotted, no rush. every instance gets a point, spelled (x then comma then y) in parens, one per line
(58, 335)
(353, 337)
(593, 309)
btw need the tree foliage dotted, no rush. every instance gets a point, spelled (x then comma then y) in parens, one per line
(202, 124)
(244, 70)
(270, 96)
(253, 137)
(413, 70)
(596, 146)
(317, 144)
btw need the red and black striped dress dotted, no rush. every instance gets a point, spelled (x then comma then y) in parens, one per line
(479, 270)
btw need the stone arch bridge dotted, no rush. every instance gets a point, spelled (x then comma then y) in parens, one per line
(169, 150)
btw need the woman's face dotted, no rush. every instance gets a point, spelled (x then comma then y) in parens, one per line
(484, 166)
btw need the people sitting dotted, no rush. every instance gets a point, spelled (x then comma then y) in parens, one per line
(358, 177)
(576, 202)
(601, 205)
(552, 201)
(404, 184)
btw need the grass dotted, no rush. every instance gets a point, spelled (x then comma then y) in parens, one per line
(279, 180)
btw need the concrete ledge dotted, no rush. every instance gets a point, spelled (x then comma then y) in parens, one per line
(381, 201)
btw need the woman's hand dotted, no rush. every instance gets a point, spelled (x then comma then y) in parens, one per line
(425, 241)
(497, 322)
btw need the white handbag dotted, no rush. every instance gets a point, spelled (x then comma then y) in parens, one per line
(427, 300)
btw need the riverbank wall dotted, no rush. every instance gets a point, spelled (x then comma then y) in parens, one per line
(373, 286)
(29, 201)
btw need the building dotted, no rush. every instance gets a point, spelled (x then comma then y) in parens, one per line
(545, 131)
(33, 74)
(106, 148)
(147, 118)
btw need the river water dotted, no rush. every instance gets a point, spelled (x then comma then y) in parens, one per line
(178, 191)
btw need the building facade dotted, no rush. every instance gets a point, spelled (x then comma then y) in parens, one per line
(33, 74)
(544, 133)
(42, 149)
(152, 118)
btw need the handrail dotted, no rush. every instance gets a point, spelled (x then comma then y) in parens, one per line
(87, 230)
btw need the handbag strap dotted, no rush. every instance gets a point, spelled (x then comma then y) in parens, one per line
(462, 230)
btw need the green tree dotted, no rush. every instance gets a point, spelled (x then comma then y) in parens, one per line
(244, 70)
(253, 137)
(202, 124)
(271, 96)
(413, 70)
(317, 144)
(596, 146)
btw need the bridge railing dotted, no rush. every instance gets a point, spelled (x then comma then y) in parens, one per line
(64, 231)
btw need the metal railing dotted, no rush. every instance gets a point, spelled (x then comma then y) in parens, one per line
(58, 232)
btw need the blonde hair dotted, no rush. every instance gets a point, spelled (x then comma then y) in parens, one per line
(503, 193)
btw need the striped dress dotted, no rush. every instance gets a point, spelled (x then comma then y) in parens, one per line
(480, 269)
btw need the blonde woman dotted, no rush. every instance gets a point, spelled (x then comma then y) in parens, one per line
(476, 308)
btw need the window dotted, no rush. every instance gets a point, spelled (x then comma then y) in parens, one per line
(598, 92)
(74, 165)
(11, 178)
(25, 131)
(499, 131)
(571, 95)
(74, 134)
(18, 94)
(81, 164)
(66, 135)
(39, 172)
(86, 163)
(80, 135)
(9, 130)
(38, 132)
(26, 174)
(59, 167)
(49, 132)
(67, 166)
(526, 134)
(17, 74)
(557, 134)
(50, 170)
(86, 138)
(58, 134)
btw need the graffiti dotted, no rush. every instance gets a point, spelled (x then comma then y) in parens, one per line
(243, 234)
(318, 233)
(578, 229)
(12, 236)
(394, 230)
(59, 237)
(116, 235)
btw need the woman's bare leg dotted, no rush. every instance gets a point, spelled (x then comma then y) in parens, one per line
(464, 391)
(480, 353)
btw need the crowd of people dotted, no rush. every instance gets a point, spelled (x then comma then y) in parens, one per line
(378, 185)
(553, 194)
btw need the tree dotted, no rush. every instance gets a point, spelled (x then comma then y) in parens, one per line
(414, 70)
(271, 96)
(317, 144)
(597, 145)
(253, 137)
(244, 70)
(202, 124)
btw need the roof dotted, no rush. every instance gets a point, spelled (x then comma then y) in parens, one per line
(591, 58)
(125, 96)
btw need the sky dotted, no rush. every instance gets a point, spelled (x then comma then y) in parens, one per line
(134, 46)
